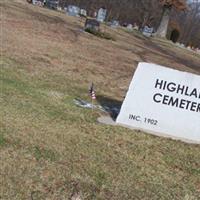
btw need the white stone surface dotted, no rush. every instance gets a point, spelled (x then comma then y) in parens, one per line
(156, 103)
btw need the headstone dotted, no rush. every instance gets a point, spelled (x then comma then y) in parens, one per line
(92, 24)
(37, 2)
(59, 8)
(73, 10)
(163, 101)
(114, 24)
(101, 15)
(34, 2)
(83, 12)
(52, 4)
(94, 14)
(136, 27)
(147, 31)
(124, 24)
(130, 27)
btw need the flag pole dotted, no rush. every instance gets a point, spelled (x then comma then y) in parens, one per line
(92, 106)
(92, 94)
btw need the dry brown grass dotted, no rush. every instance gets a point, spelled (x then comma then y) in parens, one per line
(53, 40)
(49, 148)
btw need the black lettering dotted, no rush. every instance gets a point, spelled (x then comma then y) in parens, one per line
(165, 99)
(165, 83)
(180, 89)
(186, 91)
(138, 118)
(173, 102)
(193, 106)
(171, 87)
(188, 103)
(198, 108)
(182, 103)
(194, 93)
(155, 97)
(159, 84)
(134, 117)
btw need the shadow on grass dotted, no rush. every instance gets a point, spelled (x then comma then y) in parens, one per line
(112, 106)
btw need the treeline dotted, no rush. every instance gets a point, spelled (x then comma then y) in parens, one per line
(147, 12)
(130, 11)
(189, 23)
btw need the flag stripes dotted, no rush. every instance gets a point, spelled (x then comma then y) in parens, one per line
(92, 92)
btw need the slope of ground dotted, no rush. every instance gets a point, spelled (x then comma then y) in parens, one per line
(51, 149)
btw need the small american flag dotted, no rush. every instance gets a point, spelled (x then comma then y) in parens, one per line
(92, 92)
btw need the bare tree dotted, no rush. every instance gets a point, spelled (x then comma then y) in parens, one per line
(168, 5)
(156, 13)
(189, 23)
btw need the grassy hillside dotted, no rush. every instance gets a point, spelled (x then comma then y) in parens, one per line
(51, 149)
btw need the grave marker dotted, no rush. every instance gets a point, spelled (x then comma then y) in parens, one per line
(83, 12)
(114, 24)
(130, 27)
(147, 31)
(73, 10)
(92, 25)
(101, 15)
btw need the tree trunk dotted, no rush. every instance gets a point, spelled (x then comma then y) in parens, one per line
(162, 29)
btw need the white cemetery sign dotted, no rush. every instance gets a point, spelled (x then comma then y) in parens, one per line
(163, 101)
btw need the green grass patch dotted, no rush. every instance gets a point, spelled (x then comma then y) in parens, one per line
(3, 141)
(46, 154)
